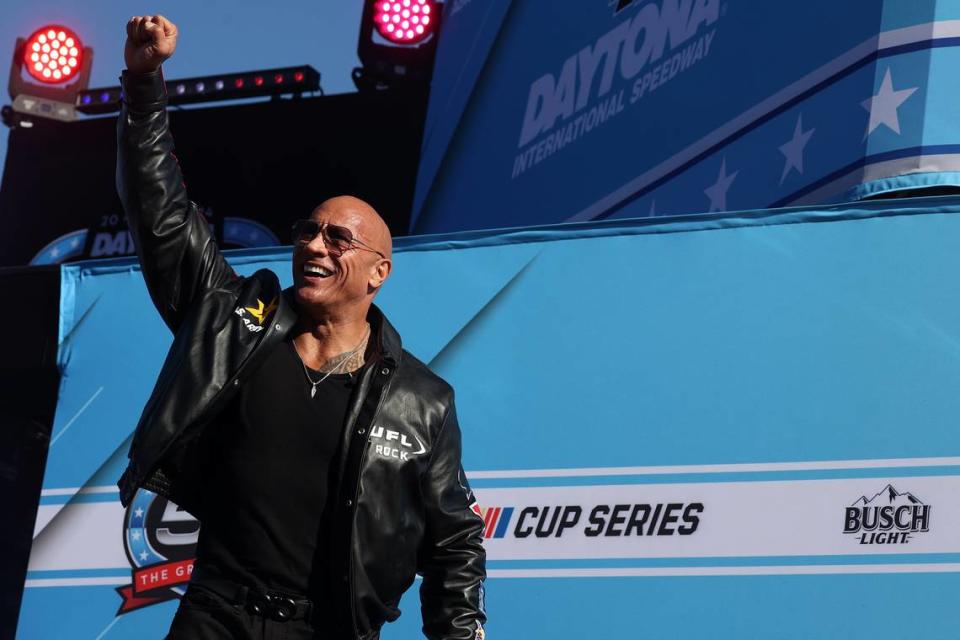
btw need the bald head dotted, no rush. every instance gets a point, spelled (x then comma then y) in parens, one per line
(342, 281)
(360, 218)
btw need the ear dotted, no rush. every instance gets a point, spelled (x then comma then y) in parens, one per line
(379, 273)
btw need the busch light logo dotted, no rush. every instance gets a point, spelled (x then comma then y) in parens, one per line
(160, 540)
(889, 517)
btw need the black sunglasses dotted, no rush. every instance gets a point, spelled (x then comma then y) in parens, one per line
(338, 239)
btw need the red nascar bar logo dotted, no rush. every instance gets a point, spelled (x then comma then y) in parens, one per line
(496, 520)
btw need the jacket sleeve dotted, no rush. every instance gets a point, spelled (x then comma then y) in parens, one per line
(177, 251)
(453, 561)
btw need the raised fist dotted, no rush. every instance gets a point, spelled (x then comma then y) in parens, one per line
(150, 41)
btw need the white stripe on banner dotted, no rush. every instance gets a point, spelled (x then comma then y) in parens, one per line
(886, 40)
(69, 491)
(886, 523)
(818, 465)
(78, 582)
(608, 573)
(576, 472)
(682, 522)
(723, 571)
(84, 536)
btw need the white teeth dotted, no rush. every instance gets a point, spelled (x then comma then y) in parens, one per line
(317, 271)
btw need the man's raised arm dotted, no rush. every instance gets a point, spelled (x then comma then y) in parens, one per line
(177, 251)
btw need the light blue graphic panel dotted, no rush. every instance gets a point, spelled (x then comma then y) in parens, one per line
(778, 368)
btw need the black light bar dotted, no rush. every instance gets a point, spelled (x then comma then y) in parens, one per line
(226, 86)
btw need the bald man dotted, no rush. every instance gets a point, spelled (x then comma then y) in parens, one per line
(322, 459)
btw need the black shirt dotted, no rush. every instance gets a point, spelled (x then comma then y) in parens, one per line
(268, 461)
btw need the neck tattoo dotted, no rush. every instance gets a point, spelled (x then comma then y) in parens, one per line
(345, 362)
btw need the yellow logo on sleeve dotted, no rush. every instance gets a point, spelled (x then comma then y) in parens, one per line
(259, 312)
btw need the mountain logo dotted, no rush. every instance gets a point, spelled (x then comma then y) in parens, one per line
(889, 517)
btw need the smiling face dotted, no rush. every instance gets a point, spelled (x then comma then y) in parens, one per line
(344, 285)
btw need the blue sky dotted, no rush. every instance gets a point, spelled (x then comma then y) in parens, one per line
(216, 36)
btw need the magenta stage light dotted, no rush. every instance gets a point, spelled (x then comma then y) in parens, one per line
(404, 21)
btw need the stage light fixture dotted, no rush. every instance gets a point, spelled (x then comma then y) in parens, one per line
(231, 86)
(404, 21)
(49, 69)
(398, 40)
(52, 54)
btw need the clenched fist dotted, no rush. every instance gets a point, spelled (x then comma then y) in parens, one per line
(150, 41)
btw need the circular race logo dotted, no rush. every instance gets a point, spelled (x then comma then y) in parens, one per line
(160, 540)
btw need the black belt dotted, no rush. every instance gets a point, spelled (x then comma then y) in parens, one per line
(269, 604)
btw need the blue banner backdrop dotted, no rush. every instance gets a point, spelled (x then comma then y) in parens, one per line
(724, 427)
(661, 107)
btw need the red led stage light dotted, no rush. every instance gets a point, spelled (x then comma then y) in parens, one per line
(53, 54)
(404, 21)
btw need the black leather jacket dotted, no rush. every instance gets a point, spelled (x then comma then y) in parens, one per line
(402, 503)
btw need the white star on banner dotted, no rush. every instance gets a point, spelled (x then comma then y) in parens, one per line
(55, 252)
(75, 243)
(144, 555)
(717, 192)
(138, 513)
(883, 106)
(793, 149)
(135, 535)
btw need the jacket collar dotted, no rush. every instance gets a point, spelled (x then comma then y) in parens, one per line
(389, 345)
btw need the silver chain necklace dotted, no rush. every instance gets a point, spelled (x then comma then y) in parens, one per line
(344, 358)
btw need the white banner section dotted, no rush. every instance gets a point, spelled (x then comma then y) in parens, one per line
(724, 519)
(647, 528)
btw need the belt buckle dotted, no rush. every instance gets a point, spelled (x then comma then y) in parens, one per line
(280, 607)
